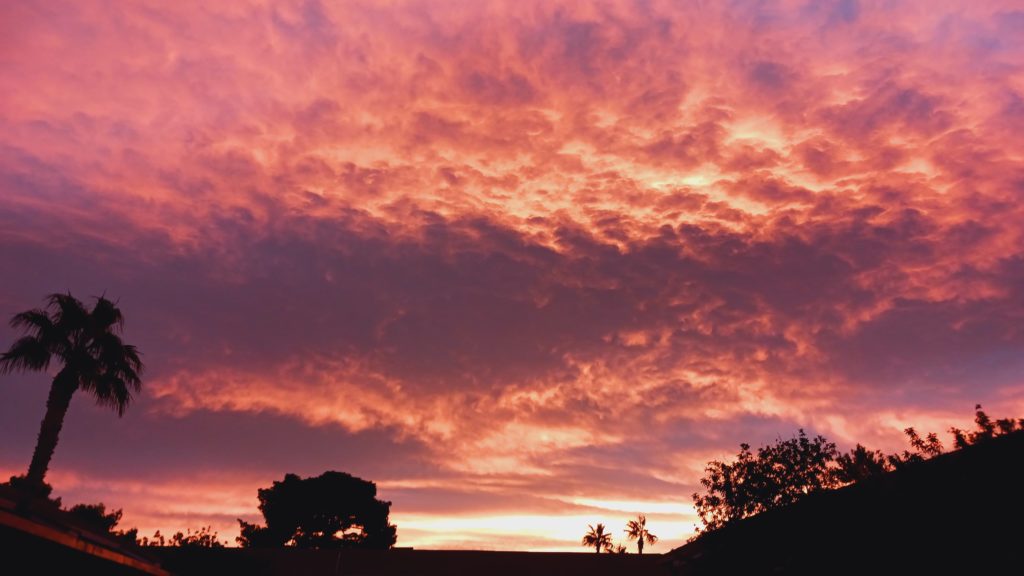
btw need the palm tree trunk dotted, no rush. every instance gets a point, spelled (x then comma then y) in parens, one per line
(57, 404)
(640, 545)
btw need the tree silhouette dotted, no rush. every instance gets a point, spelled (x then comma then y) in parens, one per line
(777, 475)
(93, 358)
(928, 447)
(96, 518)
(333, 510)
(987, 429)
(781, 474)
(859, 464)
(637, 530)
(598, 538)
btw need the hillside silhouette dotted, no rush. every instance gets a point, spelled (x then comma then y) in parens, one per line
(959, 512)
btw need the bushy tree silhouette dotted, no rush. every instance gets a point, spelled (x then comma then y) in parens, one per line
(333, 510)
(777, 475)
(93, 358)
(95, 517)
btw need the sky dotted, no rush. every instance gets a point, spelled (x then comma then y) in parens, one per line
(526, 265)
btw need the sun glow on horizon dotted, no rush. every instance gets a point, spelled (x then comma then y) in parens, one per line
(546, 532)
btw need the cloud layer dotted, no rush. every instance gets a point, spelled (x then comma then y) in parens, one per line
(519, 263)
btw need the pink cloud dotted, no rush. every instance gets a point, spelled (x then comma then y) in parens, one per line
(527, 248)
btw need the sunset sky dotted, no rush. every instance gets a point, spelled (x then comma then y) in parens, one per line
(527, 265)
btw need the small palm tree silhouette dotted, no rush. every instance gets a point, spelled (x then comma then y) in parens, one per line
(637, 530)
(597, 538)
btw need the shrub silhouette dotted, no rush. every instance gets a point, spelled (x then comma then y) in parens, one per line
(205, 537)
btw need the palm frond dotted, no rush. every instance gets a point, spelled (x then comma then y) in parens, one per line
(116, 356)
(36, 320)
(133, 359)
(106, 315)
(27, 353)
(110, 369)
(111, 391)
(67, 311)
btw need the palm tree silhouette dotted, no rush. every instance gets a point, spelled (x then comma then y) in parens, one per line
(93, 357)
(637, 530)
(597, 538)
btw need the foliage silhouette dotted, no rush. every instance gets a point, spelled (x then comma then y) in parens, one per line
(205, 537)
(927, 448)
(950, 514)
(637, 530)
(598, 538)
(333, 510)
(40, 493)
(93, 358)
(777, 475)
(783, 473)
(987, 429)
(860, 464)
(96, 518)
